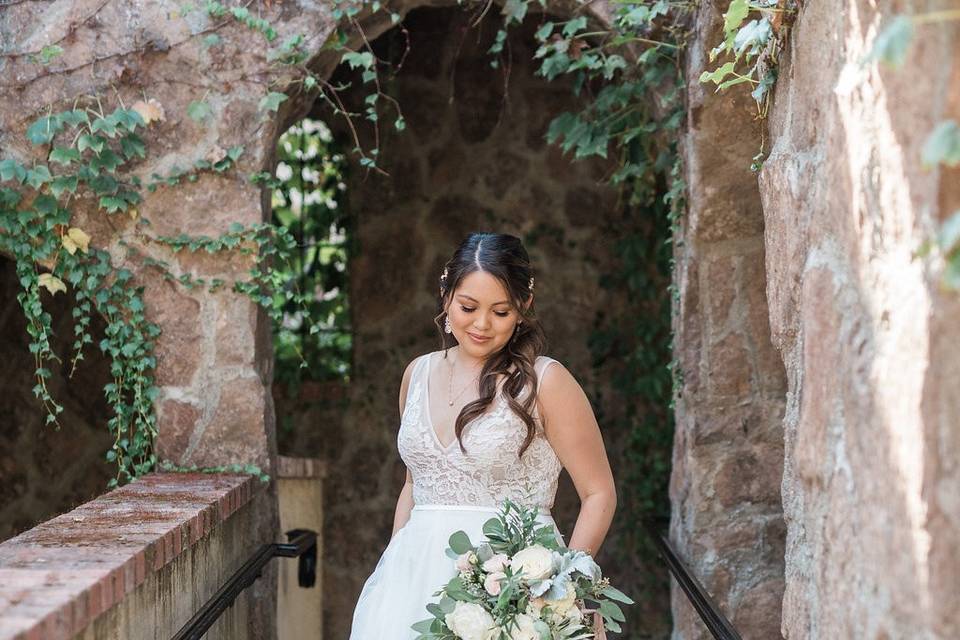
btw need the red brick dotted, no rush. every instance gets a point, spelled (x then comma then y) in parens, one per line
(58, 577)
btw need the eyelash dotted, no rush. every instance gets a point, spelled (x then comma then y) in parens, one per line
(502, 314)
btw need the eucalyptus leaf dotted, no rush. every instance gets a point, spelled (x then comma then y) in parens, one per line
(460, 542)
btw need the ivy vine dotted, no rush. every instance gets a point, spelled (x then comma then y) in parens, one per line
(942, 146)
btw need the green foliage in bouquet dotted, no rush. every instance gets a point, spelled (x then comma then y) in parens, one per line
(521, 583)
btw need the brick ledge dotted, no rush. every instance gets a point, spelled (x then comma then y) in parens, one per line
(56, 578)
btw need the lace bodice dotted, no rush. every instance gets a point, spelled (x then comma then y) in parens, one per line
(489, 471)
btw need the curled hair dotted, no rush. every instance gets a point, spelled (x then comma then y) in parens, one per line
(502, 256)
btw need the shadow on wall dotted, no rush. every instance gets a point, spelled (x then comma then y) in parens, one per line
(46, 471)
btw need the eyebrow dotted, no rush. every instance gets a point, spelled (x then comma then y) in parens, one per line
(463, 295)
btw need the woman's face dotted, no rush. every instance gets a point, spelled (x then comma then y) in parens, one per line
(482, 317)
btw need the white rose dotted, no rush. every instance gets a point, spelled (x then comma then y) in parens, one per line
(535, 562)
(470, 621)
(492, 582)
(524, 629)
(496, 563)
(563, 605)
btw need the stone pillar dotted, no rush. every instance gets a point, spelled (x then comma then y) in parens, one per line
(728, 453)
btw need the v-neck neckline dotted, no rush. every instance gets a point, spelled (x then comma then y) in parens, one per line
(426, 398)
(426, 395)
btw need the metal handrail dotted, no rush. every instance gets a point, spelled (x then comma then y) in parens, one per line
(302, 544)
(710, 613)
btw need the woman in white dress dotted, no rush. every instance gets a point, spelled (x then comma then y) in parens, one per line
(487, 418)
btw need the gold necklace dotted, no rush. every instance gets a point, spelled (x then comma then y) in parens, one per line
(451, 399)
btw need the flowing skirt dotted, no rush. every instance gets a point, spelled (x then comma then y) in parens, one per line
(413, 567)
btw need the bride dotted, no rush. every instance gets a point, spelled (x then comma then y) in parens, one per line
(487, 418)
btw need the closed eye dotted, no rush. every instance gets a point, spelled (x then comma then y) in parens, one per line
(502, 314)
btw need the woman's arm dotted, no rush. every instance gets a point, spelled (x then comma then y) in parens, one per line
(573, 432)
(405, 500)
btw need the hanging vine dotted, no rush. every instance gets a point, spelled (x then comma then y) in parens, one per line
(91, 153)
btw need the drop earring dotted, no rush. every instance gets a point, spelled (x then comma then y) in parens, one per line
(446, 325)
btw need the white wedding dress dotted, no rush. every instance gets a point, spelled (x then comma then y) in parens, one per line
(451, 491)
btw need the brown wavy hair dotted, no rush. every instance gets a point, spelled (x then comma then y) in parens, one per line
(502, 256)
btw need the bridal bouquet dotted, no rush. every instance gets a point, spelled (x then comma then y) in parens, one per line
(521, 584)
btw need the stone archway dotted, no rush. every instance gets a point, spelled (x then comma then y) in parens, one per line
(214, 358)
(473, 157)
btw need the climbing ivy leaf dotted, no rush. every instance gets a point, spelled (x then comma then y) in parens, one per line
(893, 43)
(514, 11)
(49, 52)
(87, 141)
(107, 160)
(63, 183)
(12, 170)
(611, 64)
(574, 26)
(112, 204)
(75, 117)
(717, 75)
(943, 145)
(43, 130)
(64, 156)
(132, 145)
(51, 283)
(271, 101)
(736, 13)
(75, 238)
(38, 176)
(948, 236)
(358, 59)
(198, 110)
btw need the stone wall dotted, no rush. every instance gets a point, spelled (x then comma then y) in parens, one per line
(727, 520)
(869, 339)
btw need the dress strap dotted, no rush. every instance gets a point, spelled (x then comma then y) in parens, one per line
(546, 362)
(416, 375)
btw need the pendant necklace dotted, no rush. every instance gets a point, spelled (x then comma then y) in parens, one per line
(452, 398)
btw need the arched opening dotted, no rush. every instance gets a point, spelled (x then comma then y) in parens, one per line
(46, 470)
(473, 156)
